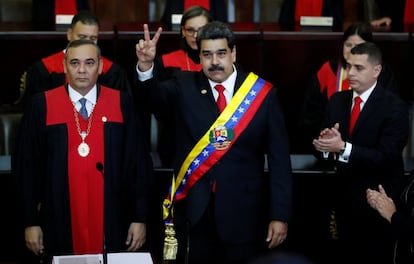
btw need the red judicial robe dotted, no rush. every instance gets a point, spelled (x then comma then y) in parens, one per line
(180, 59)
(48, 73)
(76, 199)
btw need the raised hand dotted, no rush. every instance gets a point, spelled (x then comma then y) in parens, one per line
(146, 49)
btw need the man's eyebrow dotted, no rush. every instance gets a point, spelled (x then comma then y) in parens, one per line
(223, 49)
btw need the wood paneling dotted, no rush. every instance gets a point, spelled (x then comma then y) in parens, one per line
(116, 12)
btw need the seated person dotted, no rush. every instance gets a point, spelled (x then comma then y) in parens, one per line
(48, 72)
(217, 9)
(394, 15)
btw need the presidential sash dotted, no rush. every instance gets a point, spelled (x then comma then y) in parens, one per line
(219, 138)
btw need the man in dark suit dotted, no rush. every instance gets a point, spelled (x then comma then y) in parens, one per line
(367, 155)
(226, 209)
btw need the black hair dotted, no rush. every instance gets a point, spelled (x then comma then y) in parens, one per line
(363, 30)
(371, 49)
(216, 30)
(85, 17)
(81, 42)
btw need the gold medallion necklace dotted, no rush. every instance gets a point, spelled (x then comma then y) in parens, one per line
(83, 148)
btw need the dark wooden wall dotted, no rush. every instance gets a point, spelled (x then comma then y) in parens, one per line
(113, 12)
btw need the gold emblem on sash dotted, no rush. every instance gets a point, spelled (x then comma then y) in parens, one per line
(221, 137)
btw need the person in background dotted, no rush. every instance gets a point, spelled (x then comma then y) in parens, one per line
(225, 208)
(185, 59)
(44, 11)
(82, 166)
(292, 10)
(332, 77)
(216, 8)
(48, 73)
(401, 220)
(394, 16)
(366, 149)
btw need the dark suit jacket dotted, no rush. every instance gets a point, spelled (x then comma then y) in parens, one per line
(378, 139)
(246, 199)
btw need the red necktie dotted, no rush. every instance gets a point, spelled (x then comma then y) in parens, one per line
(355, 113)
(221, 104)
(221, 100)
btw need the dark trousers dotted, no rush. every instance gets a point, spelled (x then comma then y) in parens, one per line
(201, 244)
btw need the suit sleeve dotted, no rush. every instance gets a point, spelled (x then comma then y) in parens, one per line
(280, 170)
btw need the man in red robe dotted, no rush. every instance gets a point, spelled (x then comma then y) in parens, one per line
(82, 165)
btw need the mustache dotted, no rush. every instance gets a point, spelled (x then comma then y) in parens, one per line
(216, 68)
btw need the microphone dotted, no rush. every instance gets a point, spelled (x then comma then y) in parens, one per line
(100, 168)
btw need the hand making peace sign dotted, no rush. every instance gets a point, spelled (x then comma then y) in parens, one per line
(146, 49)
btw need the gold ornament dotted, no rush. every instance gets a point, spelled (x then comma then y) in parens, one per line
(170, 242)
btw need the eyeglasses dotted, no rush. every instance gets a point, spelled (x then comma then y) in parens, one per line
(191, 31)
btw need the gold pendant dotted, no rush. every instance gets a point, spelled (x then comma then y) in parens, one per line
(83, 149)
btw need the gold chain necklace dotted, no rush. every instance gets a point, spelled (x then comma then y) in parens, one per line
(83, 148)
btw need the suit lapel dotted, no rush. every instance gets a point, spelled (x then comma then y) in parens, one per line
(369, 109)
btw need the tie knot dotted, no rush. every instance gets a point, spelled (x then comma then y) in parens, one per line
(219, 88)
(83, 111)
(82, 101)
(357, 100)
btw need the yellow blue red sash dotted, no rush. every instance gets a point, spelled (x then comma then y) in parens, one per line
(219, 138)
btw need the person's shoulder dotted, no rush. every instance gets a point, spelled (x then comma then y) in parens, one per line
(341, 95)
(108, 64)
(52, 63)
(174, 53)
(329, 65)
(53, 57)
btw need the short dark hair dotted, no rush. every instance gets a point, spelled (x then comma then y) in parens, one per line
(85, 17)
(216, 30)
(81, 42)
(371, 49)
